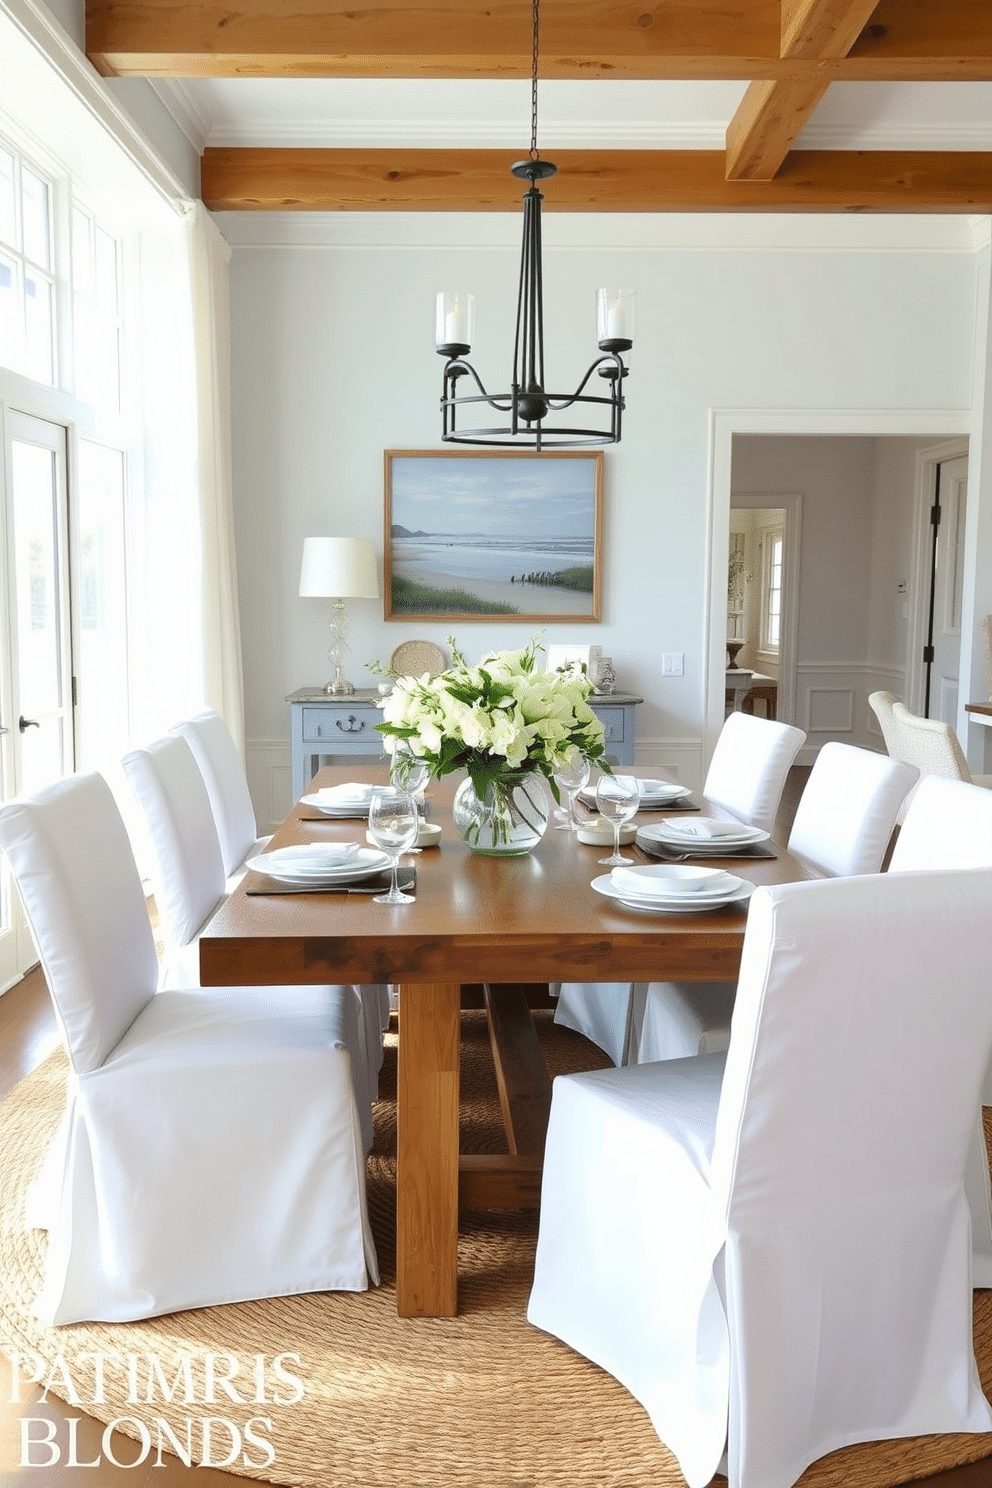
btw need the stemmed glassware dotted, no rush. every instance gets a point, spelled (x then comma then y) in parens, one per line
(618, 798)
(408, 772)
(393, 823)
(570, 778)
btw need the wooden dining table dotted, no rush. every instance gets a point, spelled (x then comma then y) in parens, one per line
(506, 923)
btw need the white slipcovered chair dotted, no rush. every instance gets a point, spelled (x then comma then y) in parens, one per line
(843, 826)
(189, 884)
(211, 1151)
(949, 825)
(219, 763)
(769, 1248)
(747, 775)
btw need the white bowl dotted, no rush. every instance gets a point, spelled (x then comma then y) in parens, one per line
(428, 834)
(670, 879)
(600, 833)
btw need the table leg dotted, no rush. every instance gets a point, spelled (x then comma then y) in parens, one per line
(427, 1150)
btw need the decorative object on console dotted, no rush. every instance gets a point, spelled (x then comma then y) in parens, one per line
(527, 403)
(734, 648)
(502, 722)
(604, 674)
(414, 658)
(338, 568)
(578, 661)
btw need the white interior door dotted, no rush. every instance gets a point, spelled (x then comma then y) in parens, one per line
(946, 603)
(36, 700)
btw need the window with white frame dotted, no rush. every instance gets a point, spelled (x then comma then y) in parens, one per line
(772, 549)
(96, 310)
(28, 306)
(50, 239)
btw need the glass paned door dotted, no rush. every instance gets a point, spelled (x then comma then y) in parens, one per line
(37, 701)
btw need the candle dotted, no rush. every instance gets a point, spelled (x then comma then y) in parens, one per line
(453, 322)
(615, 315)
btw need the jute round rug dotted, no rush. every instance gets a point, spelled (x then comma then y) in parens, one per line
(370, 1400)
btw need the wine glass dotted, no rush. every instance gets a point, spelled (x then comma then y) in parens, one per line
(618, 798)
(408, 772)
(393, 827)
(571, 777)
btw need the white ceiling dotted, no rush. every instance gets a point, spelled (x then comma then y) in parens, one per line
(478, 113)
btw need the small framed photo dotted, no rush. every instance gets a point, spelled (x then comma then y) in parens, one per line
(480, 536)
(581, 659)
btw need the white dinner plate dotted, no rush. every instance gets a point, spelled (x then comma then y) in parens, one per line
(709, 835)
(364, 862)
(353, 806)
(659, 793)
(680, 904)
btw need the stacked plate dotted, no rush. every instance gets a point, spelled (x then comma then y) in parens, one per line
(321, 865)
(653, 793)
(350, 799)
(661, 888)
(703, 836)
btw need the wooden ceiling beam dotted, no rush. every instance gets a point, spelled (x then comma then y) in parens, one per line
(771, 115)
(357, 180)
(622, 39)
(766, 123)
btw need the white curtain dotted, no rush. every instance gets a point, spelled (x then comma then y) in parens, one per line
(223, 679)
(189, 651)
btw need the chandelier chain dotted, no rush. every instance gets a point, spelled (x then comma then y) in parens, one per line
(534, 152)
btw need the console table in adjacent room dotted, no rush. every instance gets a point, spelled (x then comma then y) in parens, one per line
(324, 727)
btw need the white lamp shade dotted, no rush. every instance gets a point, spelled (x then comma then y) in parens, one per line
(338, 568)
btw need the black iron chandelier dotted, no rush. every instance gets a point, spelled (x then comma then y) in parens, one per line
(528, 403)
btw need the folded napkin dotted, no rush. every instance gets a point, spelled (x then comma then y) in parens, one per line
(665, 883)
(345, 795)
(316, 856)
(713, 830)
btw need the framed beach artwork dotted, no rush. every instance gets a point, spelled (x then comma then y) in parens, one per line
(480, 536)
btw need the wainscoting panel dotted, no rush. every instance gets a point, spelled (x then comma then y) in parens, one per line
(830, 710)
(270, 780)
(832, 703)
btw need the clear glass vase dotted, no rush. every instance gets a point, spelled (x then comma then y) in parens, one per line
(509, 820)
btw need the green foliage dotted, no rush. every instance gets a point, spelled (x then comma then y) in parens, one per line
(416, 599)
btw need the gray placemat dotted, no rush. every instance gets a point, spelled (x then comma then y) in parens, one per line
(684, 803)
(668, 854)
(321, 816)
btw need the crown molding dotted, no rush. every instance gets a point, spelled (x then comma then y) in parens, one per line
(182, 104)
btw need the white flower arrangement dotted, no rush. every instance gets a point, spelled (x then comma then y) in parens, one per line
(499, 717)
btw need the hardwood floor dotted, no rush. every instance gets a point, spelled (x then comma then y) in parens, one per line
(28, 1033)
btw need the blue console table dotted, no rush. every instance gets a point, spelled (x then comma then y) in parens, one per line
(324, 728)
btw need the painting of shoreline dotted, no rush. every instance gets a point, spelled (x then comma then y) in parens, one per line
(479, 535)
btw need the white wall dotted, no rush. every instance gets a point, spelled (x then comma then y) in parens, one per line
(130, 109)
(858, 502)
(334, 362)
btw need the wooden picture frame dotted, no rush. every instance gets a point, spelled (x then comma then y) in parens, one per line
(474, 535)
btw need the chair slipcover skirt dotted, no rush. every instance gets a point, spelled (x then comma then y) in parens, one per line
(770, 1248)
(215, 1156)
